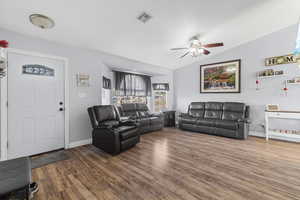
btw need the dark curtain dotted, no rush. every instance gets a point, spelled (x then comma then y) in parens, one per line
(161, 86)
(127, 84)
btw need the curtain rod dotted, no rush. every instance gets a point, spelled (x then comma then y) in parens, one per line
(130, 72)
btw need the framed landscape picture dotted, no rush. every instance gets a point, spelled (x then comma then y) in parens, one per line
(221, 77)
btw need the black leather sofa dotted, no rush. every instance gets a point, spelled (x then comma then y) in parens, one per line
(15, 175)
(140, 113)
(110, 133)
(229, 119)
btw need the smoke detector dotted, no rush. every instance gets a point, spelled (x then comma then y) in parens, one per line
(144, 17)
(41, 21)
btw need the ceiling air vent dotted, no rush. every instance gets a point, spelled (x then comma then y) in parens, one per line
(144, 17)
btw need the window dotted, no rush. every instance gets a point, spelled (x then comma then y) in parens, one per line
(118, 100)
(127, 84)
(131, 88)
(160, 96)
(160, 101)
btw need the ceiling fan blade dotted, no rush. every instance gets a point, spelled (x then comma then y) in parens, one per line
(183, 48)
(184, 54)
(213, 45)
(205, 52)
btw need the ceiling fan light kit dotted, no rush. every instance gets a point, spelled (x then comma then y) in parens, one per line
(197, 48)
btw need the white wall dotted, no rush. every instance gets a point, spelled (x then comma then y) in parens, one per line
(252, 54)
(91, 62)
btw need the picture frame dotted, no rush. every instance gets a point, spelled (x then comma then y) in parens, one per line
(272, 107)
(83, 80)
(106, 83)
(222, 77)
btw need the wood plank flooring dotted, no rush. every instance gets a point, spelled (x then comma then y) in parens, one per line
(173, 164)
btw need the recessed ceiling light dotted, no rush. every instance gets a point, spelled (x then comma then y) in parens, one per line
(41, 21)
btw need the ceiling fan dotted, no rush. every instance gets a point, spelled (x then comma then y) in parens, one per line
(197, 48)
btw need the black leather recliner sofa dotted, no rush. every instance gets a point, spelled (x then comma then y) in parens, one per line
(110, 133)
(140, 113)
(229, 119)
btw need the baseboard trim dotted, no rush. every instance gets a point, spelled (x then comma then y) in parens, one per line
(80, 143)
(257, 134)
(261, 134)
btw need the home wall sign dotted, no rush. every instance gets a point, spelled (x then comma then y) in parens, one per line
(35, 69)
(280, 60)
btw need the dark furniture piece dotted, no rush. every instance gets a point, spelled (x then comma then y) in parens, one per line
(140, 113)
(110, 133)
(229, 119)
(15, 175)
(169, 118)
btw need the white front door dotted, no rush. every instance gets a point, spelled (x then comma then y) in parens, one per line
(35, 105)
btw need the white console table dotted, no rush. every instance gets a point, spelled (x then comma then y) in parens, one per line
(284, 115)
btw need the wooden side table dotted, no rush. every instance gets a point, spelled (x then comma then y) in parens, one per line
(169, 118)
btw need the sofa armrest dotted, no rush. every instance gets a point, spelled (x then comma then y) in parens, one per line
(244, 121)
(124, 119)
(183, 115)
(243, 129)
(156, 115)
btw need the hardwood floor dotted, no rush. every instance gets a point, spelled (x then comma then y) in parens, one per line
(173, 164)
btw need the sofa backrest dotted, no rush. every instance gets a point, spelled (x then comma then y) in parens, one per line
(105, 113)
(142, 110)
(120, 110)
(197, 109)
(102, 113)
(219, 110)
(234, 111)
(213, 110)
(130, 110)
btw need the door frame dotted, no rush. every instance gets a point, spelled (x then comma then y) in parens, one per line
(4, 100)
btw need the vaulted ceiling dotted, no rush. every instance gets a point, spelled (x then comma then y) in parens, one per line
(111, 25)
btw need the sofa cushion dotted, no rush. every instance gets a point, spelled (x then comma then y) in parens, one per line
(143, 114)
(142, 107)
(206, 122)
(213, 110)
(130, 110)
(142, 110)
(196, 109)
(127, 132)
(234, 111)
(188, 120)
(227, 124)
